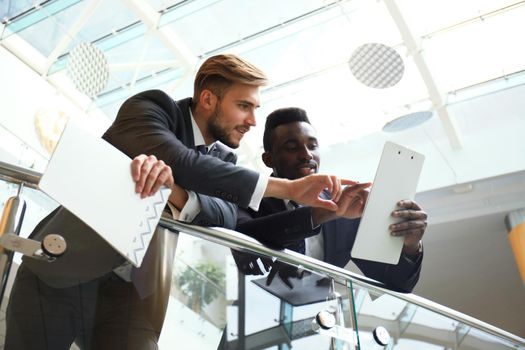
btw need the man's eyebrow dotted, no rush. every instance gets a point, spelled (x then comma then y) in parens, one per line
(248, 102)
(290, 140)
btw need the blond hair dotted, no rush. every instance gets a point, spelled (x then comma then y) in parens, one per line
(220, 72)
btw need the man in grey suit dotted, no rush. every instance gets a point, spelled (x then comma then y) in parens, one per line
(90, 296)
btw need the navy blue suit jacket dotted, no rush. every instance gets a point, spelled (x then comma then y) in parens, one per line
(278, 227)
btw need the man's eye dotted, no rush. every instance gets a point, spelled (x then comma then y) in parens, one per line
(244, 107)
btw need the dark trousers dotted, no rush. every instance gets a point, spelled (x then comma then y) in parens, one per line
(106, 313)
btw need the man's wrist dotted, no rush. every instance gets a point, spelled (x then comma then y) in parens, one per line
(412, 251)
(278, 188)
(178, 199)
(320, 216)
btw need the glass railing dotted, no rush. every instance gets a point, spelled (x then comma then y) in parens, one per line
(261, 316)
(215, 304)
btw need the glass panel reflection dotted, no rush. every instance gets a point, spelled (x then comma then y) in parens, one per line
(196, 312)
(411, 326)
(279, 305)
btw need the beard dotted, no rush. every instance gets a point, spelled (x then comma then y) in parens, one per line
(218, 131)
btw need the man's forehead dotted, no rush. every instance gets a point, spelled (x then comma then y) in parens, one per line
(244, 93)
(295, 129)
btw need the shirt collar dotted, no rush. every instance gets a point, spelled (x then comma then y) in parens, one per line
(197, 134)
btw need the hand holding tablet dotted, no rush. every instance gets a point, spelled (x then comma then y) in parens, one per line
(396, 179)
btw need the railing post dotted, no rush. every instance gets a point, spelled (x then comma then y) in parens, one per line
(10, 222)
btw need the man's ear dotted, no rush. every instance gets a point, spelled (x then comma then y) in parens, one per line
(207, 100)
(267, 159)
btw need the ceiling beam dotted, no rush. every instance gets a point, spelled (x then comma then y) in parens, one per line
(435, 95)
(71, 33)
(151, 18)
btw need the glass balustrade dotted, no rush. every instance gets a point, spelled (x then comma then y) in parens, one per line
(286, 311)
(230, 292)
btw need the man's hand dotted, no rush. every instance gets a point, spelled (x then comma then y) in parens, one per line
(352, 201)
(412, 228)
(286, 273)
(149, 174)
(307, 190)
(350, 205)
(250, 264)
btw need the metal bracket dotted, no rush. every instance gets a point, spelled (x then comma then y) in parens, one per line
(49, 249)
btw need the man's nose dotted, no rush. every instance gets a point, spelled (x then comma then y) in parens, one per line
(306, 154)
(250, 120)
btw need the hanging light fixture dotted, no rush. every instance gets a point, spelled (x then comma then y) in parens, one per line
(87, 68)
(376, 65)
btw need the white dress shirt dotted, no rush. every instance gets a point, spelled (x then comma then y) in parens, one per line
(193, 207)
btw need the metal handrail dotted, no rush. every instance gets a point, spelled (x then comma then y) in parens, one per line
(236, 240)
(16, 174)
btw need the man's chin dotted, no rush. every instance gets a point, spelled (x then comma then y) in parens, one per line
(231, 143)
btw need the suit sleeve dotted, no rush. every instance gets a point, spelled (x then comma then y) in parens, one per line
(401, 277)
(278, 230)
(149, 126)
(215, 211)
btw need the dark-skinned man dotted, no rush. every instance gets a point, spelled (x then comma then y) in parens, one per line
(291, 150)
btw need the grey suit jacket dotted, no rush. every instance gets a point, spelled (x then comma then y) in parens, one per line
(150, 123)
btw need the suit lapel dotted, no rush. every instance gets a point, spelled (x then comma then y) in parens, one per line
(270, 206)
(184, 106)
(330, 239)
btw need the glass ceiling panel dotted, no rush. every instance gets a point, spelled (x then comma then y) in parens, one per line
(47, 33)
(161, 5)
(136, 59)
(232, 20)
(425, 17)
(298, 54)
(12, 8)
(300, 76)
(166, 81)
(108, 18)
(478, 51)
(107, 43)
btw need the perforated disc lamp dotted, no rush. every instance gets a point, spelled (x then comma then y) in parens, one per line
(407, 121)
(87, 68)
(376, 65)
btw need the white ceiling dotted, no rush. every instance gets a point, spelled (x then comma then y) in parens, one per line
(464, 62)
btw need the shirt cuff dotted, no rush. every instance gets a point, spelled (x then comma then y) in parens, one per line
(191, 209)
(258, 193)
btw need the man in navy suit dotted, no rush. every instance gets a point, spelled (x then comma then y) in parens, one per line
(291, 150)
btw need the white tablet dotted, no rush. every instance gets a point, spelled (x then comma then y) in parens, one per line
(396, 179)
(92, 179)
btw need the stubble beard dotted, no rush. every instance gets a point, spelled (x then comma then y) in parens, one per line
(217, 130)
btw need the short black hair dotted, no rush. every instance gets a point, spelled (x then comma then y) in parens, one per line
(279, 117)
